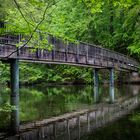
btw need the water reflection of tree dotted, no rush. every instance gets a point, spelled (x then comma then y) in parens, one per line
(44, 102)
(5, 108)
(53, 101)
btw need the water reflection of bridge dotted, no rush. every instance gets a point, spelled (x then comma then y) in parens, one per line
(78, 54)
(75, 125)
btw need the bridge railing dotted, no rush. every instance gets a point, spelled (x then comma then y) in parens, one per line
(78, 52)
(94, 52)
(9, 39)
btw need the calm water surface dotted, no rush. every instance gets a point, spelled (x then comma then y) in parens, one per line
(127, 128)
(39, 102)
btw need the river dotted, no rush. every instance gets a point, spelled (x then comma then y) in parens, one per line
(126, 128)
(40, 102)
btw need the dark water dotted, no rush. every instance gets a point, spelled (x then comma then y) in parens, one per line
(127, 128)
(39, 102)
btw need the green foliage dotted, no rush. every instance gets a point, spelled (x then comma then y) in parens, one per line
(112, 24)
(135, 118)
(6, 108)
(35, 73)
(30, 73)
(132, 23)
(4, 73)
(90, 21)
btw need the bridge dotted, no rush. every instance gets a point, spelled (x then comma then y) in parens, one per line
(78, 54)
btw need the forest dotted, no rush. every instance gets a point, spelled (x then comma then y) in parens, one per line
(49, 90)
(113, 24)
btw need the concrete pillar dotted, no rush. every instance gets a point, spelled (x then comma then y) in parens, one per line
(14, 94)
(111, 85)
(96, 86)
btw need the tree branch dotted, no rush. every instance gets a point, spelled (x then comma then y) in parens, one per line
(35, 29)
(18, 7)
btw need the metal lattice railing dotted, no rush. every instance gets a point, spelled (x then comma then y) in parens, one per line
(78, 53)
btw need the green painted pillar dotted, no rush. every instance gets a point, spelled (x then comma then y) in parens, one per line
(111, 85)
(96, 86)
(14, 67)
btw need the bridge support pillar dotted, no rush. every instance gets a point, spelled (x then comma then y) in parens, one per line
(111, 85)
(14, 69)
(96, 86)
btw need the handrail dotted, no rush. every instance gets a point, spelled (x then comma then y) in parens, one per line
(79, 49)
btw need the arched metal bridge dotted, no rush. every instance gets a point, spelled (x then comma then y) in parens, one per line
(81, 54)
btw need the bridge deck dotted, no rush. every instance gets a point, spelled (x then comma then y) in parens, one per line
(62, 53)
